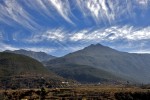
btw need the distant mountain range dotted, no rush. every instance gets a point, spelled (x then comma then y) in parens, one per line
(97, 62)
(40, 56)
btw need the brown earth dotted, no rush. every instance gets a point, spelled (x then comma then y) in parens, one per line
(86, 92)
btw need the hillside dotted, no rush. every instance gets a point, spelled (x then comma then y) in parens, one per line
(85, 74)
(14, 64)
(40, 56)
(132, 67)
(19, 71)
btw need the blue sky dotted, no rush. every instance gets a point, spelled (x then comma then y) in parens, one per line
(59, 27)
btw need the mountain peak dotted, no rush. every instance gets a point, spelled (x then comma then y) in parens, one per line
(98, 49)
(96, 45)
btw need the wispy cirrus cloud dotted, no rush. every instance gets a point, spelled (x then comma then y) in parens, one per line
(102, 11)
(38, 5)
(57, 34)
(48, 7)
(113, 33)
(12, 11)
(63, 8)
(111, 11)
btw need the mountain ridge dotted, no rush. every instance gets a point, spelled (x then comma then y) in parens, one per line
(122, 64)
(40, 56)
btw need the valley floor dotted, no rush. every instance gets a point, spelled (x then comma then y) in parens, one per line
(85, 92)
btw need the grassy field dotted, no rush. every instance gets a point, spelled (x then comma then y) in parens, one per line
(86, 92)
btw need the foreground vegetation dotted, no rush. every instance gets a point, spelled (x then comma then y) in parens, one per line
(86, 92)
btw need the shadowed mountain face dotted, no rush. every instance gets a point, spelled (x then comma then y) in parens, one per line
(40, 56)
(85, 74)
(132, 67)
(19, 71)
(15, 64)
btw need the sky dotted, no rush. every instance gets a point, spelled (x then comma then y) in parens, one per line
(59, 27)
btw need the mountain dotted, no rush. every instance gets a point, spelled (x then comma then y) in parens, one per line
(16, 64)
(40, 56)
(19, 71)
(85, 74)
(127, 66)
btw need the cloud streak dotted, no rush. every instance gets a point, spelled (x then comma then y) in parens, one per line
(63, 8)
(12, 10)
(102, 11)
(112, 33)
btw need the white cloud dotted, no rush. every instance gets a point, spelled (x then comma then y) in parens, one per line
(88, 35)
(39, 49)
(79, 35)
(63, 8)
(129, 33)
(113, 33)
(143, 2)
(55, 35)
(141, 51)
(141, 34)
(4, 46)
